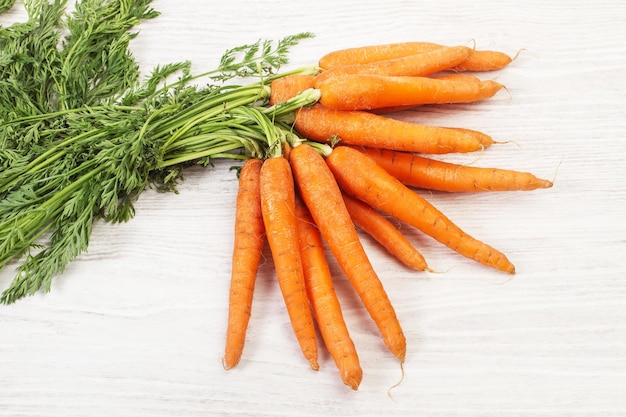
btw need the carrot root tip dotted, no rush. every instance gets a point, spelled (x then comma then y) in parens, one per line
(228, 365)
(353, 379)
(505, 142)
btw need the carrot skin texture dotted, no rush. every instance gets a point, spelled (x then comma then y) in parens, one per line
(367, 92)
(478, 60)
(421, 172)
(324, 200)
(284, 88)
(455, 76)
(326, 307)
(249, 241)
(362, 128)
(422, 64)
(278, 208)
(360, 176)
(384, 232)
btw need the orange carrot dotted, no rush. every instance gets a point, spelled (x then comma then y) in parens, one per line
(362, 128)
(322, 196)
(478, 60)
(446, 76)
(422, 64)
(360, 176)
(367, 92)
(326, 307)
(384, 232)
(427, 173)
(248, 248)
(284, 88)
(278, 208)
(372, 53)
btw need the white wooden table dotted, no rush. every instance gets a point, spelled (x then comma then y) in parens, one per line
(135, 327)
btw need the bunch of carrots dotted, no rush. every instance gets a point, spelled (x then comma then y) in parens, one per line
(352, 168)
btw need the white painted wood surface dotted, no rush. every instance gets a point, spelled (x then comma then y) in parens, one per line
(135, 327)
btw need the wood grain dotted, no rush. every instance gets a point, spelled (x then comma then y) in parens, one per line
(135, 327)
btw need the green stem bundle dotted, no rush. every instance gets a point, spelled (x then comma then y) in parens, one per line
(79, 143)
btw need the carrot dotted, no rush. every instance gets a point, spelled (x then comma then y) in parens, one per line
(447, 76)
(248, 248)
(284, 88)
(478, 60)
(362, 128)
(427, 173)
(384, 232)
(322, 196)
(372, 53)
(321, 292)
(361, 177)
(422, 64)
(366, 92)
(278, 208)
